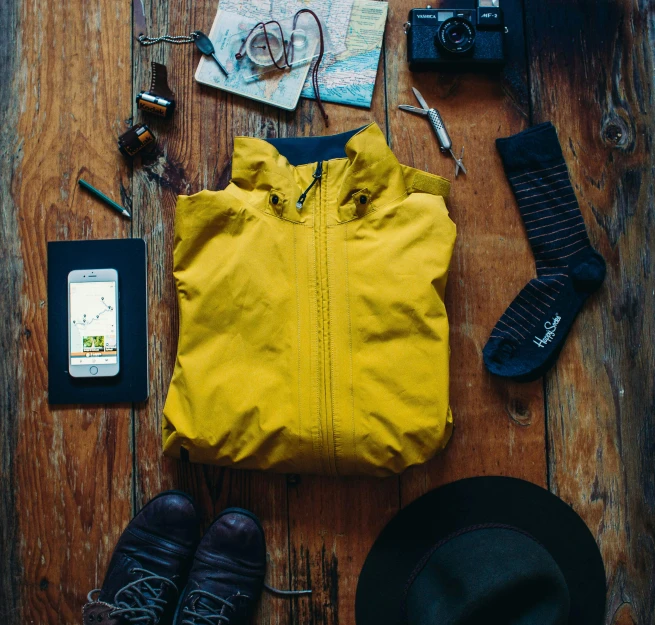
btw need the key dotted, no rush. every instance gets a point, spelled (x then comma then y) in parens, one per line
(204, 44)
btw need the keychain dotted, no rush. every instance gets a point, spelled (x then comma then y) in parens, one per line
(203, 43)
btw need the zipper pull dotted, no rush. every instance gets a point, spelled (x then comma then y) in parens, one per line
(316, 176)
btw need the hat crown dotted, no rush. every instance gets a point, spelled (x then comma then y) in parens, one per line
(409, 562)
(487, 574)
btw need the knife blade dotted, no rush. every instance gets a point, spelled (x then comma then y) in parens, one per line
(420, 99)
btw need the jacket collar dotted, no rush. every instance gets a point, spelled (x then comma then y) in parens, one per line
(364, 178)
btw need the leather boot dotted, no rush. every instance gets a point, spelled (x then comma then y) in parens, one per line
(149, 567)
(227, 575)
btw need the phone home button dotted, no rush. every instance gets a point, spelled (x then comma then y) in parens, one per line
(93, 370)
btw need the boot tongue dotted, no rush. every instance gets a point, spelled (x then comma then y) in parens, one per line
(119, 575)
(226, 579)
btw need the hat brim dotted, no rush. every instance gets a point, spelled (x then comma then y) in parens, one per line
(473, 501)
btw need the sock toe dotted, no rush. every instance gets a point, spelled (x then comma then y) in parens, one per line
(497, 353)
(589, 274)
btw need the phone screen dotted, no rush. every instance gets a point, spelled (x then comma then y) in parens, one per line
(92, 321)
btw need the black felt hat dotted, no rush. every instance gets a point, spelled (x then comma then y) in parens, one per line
(492, 550)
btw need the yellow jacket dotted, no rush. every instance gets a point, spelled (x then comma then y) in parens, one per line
(313, 338)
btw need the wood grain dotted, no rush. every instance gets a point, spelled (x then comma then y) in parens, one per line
(71, 473)
(11, 329)
(601, 396)
(71, 478)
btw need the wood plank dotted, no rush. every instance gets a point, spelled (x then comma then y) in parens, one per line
(194, 153)
(600, 406)
(499, 426)
(333, 522)
(11, 331)
(70, 468)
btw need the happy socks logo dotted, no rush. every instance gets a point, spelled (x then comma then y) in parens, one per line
(550, 327)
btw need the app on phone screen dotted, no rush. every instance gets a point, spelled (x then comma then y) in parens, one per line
(93, 323)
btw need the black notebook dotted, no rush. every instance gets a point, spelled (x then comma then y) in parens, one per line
(128, 258)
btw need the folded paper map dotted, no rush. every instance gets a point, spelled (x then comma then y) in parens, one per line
(348, 77)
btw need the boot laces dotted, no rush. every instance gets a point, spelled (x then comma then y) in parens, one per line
(203, 613)
(208, 609)
(143, 601)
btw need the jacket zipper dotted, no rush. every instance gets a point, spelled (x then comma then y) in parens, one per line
(320, 233)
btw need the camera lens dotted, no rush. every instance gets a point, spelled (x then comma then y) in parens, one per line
(456, 35)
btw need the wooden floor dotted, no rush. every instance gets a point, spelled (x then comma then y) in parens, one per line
(71, 478)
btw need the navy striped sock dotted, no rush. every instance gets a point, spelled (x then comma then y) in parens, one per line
(529, 336)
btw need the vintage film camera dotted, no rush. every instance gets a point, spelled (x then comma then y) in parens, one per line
(459, 39)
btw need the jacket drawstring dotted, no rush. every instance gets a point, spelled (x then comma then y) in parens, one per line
(316, 176)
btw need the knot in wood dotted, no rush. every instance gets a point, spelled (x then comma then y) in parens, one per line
(519, 412)
(615, 132)
(293, 479)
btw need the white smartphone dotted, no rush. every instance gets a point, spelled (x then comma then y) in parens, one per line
(93, 323)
